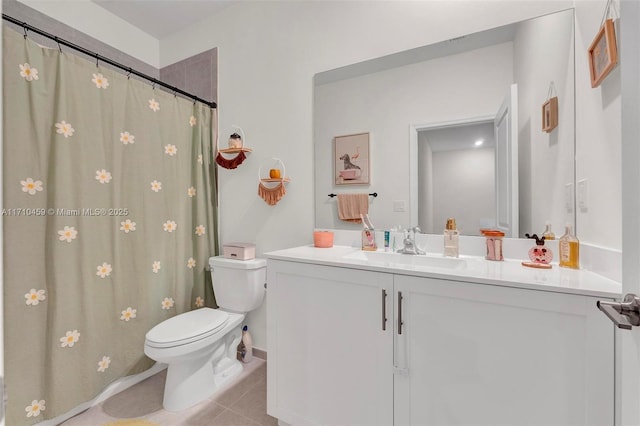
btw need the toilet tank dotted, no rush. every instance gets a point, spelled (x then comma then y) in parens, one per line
(239, 285)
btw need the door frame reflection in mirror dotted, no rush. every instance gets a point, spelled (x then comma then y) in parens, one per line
(468, 171)
(424, 201)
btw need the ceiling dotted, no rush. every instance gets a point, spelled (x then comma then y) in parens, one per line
(161, 18)
(459, 137)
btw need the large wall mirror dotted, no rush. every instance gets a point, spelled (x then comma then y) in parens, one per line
(455, 130)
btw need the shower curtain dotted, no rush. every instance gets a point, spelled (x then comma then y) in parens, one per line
(109, 220)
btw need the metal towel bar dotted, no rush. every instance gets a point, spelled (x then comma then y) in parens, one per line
(373, 194)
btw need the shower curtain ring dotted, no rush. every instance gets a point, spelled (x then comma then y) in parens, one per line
(59, 47)
(129, 73)
(97, 58)
(24, 27)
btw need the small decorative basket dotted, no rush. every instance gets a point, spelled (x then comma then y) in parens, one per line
(273, 194)
(236, 146)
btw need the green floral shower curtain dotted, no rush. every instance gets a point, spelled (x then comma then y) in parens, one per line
(109, 220)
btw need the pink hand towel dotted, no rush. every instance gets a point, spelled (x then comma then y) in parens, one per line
(350, 206)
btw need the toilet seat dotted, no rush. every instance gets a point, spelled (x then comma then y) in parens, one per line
(187, 328)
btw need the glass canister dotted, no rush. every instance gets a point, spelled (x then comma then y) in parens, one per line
(494, 244)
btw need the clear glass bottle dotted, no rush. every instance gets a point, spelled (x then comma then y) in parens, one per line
(451, 246)
(569, 249)
(548, 233)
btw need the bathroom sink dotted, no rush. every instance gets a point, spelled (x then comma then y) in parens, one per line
(397, 259)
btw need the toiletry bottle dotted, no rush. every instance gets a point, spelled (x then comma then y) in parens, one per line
(451, 238)
(548, 233)
(240, 351)
(248, 345)
(369, 240)
(493, 243)
(368, 234)
(569, 250)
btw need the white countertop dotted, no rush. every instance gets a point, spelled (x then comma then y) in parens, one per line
(509, 273)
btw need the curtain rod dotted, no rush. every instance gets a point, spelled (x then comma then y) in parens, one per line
(98, 57)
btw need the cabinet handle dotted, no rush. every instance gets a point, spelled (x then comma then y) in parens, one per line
(384, 309)
(400, 323)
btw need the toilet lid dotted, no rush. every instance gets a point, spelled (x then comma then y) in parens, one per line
(187, 327)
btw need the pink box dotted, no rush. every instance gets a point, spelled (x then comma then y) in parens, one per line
(239, 251)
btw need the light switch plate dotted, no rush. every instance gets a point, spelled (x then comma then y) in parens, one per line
(568, 197)
(583, 195)
(399, 206)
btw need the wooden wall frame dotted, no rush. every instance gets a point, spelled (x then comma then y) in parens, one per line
(603, 53)
(550, 115)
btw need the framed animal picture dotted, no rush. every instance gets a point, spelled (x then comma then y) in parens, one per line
(352, 159)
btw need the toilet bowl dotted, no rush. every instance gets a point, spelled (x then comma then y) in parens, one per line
(199, 346)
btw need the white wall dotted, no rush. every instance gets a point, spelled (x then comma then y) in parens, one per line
(455, 87)
(2, 385)
(425, 184)
(546, 160)
(269, 52)
(472, 204)
(598, 137)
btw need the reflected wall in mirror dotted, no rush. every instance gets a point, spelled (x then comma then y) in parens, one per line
(457, 169)
(462, 80)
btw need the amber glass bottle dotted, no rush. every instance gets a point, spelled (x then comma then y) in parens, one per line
(569, 250)
(548, 233)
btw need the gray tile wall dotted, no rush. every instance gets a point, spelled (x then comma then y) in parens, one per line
(197, 75)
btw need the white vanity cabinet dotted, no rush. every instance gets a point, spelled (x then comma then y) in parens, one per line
(491, 355)
(330, 361)
(464, 353)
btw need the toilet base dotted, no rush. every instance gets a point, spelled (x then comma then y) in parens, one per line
(180, 394)
(195, 380)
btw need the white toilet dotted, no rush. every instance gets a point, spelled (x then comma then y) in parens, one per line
(199, 346)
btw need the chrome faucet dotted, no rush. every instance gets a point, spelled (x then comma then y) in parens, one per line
(409, 242)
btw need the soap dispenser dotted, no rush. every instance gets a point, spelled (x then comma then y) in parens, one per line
(451, 234)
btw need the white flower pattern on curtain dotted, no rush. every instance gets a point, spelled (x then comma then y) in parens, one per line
(82, 147)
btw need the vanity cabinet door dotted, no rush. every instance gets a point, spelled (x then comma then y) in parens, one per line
(489, 355)
(329, 357)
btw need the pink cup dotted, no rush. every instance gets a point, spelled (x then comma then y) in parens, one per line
(323, 239)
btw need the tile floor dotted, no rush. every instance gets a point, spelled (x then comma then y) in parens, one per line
(241, 403)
